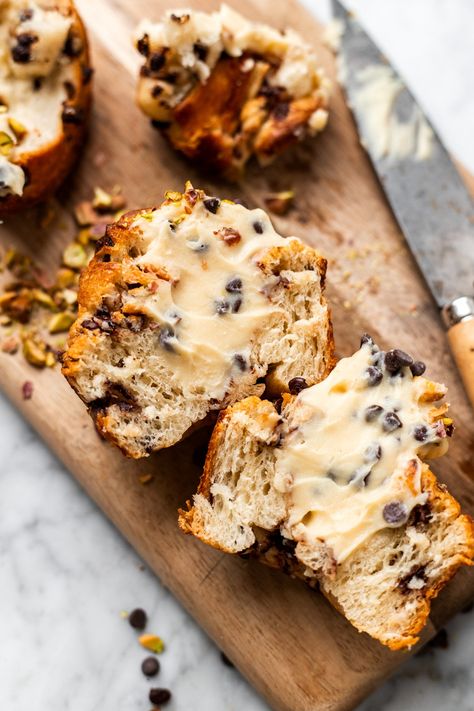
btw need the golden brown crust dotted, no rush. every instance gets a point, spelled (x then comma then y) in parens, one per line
(47, 167)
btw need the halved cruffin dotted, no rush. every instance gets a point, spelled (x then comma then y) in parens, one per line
(45, 94)
(187, 308)
(332, 488)
(222, 88)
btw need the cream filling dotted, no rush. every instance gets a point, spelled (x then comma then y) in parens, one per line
(217, 300)
(340, 470)
(227, 30)
(39, 110)
(386, 134)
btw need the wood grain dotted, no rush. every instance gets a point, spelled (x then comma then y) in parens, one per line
(296, 650)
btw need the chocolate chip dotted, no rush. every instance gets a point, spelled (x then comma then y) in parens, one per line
(73, 46)
(417, 368)
(395, 513)
(234, 285)
(421, 514)
(391, 422)
(366, 339)
(296, 385)
(21, 52)
(200, 50)
(236, 305)
(156, 91)
(397, 359)
(159, 696)
(143, 45)
(89, 324)
(258, 227)
(72, 115)
(241, 362)
(87, 73)
(373, 452)
(105, 241)
(420, 433)
(374, 375)
(150, 666)
(137, 619)
(166, 335)
(418, 571)
(222, 306)
(212, 204)
(157, 61)
(226, 660)
(372, 413)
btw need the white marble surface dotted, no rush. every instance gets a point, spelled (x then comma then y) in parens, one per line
(66, 573)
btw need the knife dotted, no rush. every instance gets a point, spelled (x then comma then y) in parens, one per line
(429, 199)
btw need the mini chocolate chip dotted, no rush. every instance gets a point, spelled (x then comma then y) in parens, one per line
(200, 50)
(391, 422)
(89, 324)
(159, 696)
(296, 385)
(420, 433)
(395, 513)
(366, 339)
(143, 45)
(156, 91)
(236, 305)
(241, 362)
(21, 54)
(157, 61)
(87, 73)
(138, 619)
(374, 375)
(104, 241)
(373, 412)
(421, 514)
(222, 306)
(106, 258)
(417, 368)
(396, 359)
(258, 227)
(134, 285)
(212, 204)
(166, 335)
(234, 285)
(150, 666)
(73, 46)
(72, 115)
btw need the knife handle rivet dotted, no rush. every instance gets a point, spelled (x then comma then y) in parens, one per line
(460, 309)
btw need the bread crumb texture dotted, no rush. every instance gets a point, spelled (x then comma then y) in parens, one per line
(223, 88)
(187, 308)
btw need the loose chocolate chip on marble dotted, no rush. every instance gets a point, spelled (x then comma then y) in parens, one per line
(157, 61)
(212, 204)
(241, 362)
(258, 227)
(374, 375)
(417, 368)
(420, 433)
(234, 285)
(366, 339)
(391, 422)
(200, 50)
(397, 359)
(296, 385)
(395, 513)
(222, 306)
(138, 619)
(150, 666)
(236, 305)
(159, 696)
(373, 412)
(166, 335)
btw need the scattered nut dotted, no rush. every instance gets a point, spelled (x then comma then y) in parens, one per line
(74, 256)
(34, 353)
(152, 643)
(61, 322)
(280, 203)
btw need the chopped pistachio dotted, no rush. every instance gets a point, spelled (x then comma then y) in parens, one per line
(43, 299)
(65, 277)
(18, 128)
(173, 196)
(61, 322)
(50, 361)
(3, 109)
(10, 345)
(6, 143)
(147, 216)
(101, 199)
(145, 479)
(34, 353)
(69, 296)
(152, 643)
(280, 203)
(5, 320)
(85, 214)
(84, 236)
(74, 256)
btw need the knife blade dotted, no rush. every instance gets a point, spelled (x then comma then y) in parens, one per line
(430, 201)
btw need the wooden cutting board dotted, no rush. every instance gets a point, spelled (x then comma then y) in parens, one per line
(291, 645)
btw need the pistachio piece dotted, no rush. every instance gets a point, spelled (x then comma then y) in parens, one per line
(43, 299)
(61, 322)
(173, 196)
(35, 353)
(50, 361)
(74, 256)
(84, 236)
(85, 214)
(152, 643)
(65, 278)
(18, 128)
(6, 143)
(69, 296)
(102, 200)
(280, 203)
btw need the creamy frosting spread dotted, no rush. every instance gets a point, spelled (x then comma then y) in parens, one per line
(195, 40)
(350, 464)
(387, 133)
(214, 297)
(32, 75)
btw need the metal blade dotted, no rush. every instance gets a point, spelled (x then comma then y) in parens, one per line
(427, 195)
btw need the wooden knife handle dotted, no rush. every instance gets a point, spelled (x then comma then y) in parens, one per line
(461, 339)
